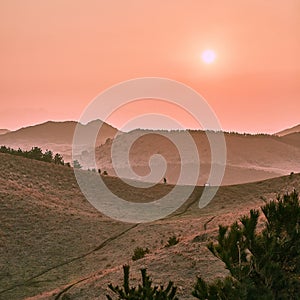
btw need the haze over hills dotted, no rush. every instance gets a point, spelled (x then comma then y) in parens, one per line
(53, 242)
(55, 136)
(249, 157)
(295, 129)
(4, 131)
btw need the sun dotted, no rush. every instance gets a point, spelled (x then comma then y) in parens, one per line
(208, 56)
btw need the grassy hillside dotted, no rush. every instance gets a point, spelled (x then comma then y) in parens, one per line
(56, 136)
(3, 131)
(53, 242)
(294, 129)
(249, 157)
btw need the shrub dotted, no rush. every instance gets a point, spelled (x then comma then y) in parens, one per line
(173, 240)
(143, 292)
(263, 265)
(139, 253)
(76, 164)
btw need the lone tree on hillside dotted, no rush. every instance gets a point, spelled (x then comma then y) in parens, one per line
(76, 164)
(263, 265)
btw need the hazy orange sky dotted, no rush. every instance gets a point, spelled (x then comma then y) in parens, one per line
(57, 55)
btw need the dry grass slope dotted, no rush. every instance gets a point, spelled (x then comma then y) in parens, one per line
(53, 242)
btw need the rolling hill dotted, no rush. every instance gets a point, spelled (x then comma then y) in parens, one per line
(295, 129)
(4, 131)
(249, 157)
(54, 244)
(55, 136)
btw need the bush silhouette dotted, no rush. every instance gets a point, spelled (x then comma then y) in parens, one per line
(263, 265)
(76, 164)
(173, 240)
(58, 159)
(48, 156)
(144, 291)
(139, 253)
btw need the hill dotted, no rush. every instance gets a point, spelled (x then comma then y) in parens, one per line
(289, 130)
(55, 136)
(53, 242)
(4, 131)
(249, 157)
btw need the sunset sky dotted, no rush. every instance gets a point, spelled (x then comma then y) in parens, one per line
(57, 55)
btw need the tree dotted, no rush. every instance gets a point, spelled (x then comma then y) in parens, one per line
(76, 164)
(143, 292)
(58, 159)
(36, 153)
(48, 156)
(263, 265)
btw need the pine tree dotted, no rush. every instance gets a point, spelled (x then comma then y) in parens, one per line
(48, 156)
(263, 265)
(76, 164)
(58, 159)
(143, 292)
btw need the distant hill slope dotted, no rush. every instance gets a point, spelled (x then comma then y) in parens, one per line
(56, 136)
(4, 131)
(289, 130)
(249, 157)
(54, 242)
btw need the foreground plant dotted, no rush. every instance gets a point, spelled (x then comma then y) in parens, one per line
(263, 265)
(143, 292)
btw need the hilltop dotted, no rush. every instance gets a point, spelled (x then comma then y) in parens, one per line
(56, 136)
(295, 129)
(4, 131)
(53, 242)
(249, 157)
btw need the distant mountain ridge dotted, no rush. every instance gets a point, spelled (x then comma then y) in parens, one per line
(249, 157)
(56, 136)
(287, 131)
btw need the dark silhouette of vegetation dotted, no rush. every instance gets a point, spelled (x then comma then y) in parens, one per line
(263, 265)
(139, 253)
(144, 291)
(35, 153)
(173, 240)
(105, 173)
(58, 159)
(76, 164)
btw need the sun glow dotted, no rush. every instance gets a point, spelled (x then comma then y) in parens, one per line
(208, 56)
